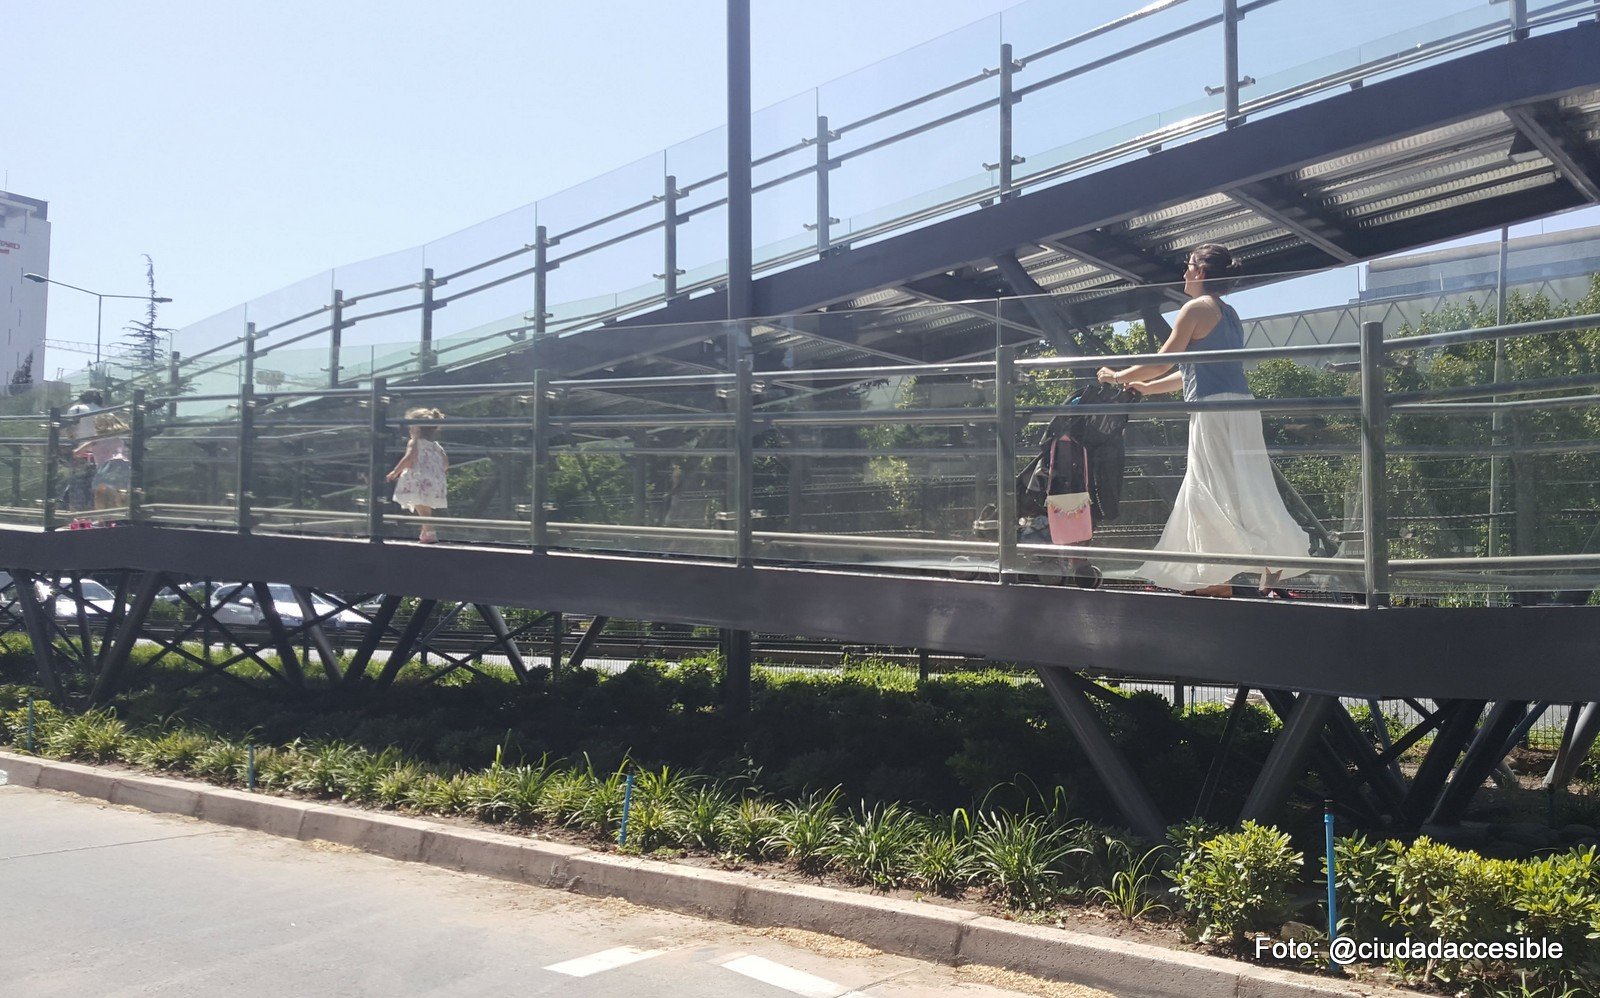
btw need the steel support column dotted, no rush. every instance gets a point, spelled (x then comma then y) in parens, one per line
(1066, 689)
(1287, 761)
(377, 432)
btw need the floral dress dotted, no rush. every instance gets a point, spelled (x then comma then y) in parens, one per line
(423, 483)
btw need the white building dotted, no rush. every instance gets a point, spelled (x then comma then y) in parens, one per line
(24, 249)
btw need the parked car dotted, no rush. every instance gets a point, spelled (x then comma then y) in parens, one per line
(235, 603)
(98, 601)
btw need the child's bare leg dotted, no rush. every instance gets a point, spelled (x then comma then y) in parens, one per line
(426, 534)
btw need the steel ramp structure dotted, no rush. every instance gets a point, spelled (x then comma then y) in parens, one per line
(845, 467)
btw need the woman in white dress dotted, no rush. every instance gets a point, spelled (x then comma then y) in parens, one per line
(1229, 502)
(420, 476)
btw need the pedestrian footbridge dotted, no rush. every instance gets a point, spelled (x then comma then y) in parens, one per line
(844, 466)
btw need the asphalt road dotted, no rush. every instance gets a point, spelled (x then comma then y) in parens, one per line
(97, 899)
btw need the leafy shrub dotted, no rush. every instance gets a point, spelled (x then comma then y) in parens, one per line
(220, 760)
(874, 846)
(941, 859)
(1238, 882)
(703, 819)
(1022, 855)
(95, 735)
(174, 750)
(1134, 882)
(806, 828)
(751, 828)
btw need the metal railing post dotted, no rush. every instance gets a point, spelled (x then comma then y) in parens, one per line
(249, 377)
(174, 381)
(670, 272)
(241, 498)
(1230, 61)
(1005, 457)
(1007, 66)
(825, 219)
(52, 459)
(744, 457)
(541, 274)
(1519, 20)
(425, 351)
(538, 513)
(1374, 475)
(377, 427)
(335, 334)
(136, 448)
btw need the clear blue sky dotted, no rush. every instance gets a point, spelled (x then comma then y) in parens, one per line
(246, 146)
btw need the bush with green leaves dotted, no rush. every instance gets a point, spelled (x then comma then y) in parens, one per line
(1238, 882)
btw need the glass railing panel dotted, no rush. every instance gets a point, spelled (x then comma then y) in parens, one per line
(296, 368)
(1508, 473)
(204, 343)
(1102, 131)
(308, 461)
(373, 292)
(702, 229)
(484, 273)
(933, 153)
(94, 470)
(641, 466)
(23, 469)
(889, 467)
(608, 231)
(191, 464)
(781, 209)
(1288, 46)
(1311, 446)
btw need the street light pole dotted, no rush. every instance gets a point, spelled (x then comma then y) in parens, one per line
(99, 304)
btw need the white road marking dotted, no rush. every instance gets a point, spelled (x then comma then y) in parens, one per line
(609, 959)
(794, 981)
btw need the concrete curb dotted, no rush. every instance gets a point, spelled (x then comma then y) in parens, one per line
(927, 931)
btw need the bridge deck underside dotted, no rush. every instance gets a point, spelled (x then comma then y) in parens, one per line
(1527, 653)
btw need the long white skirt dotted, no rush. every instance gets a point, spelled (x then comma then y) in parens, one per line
(1228, 504)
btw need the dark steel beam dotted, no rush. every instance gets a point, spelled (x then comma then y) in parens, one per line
(1127, 791)
(586, 643)
(312, 627)
(1125, 259)
(1219, 759)
(502, 637)
(376, 629)
(1582, 727)
(1278, 201)
(1460, 722)
(1487, 749)
(1543, 125)
(1286, 762)
(37, 620)
(1327, 648)
(114, 665)
(287, 659)
(1329, 764)
(403, 648)
(1056, 328)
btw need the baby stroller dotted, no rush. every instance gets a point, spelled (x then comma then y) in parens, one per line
(1075, 480)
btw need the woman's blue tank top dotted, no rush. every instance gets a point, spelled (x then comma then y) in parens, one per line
(1203, 380)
